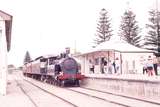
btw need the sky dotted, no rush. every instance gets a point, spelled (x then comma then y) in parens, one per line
(49, 26)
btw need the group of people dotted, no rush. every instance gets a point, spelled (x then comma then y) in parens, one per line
(107, 67)
(150, 66)
(111, 67)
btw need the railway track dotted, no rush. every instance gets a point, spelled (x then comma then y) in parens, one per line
(117, 100)
(100, 98)
(54, 95)
(138, 99)
(107, 96)
(36, 103)
(66, 90)
(32, 101)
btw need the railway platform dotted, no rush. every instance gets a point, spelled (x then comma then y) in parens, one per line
(138, 86)
(15, 96)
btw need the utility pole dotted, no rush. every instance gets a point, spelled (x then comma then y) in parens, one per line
(75, 47)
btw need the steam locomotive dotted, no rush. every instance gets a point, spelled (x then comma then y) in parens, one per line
(54, 69)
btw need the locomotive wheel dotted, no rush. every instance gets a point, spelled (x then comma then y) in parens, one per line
(55, 82)
(77, 83)
(42, 78)
(62, 83)
(59, 82)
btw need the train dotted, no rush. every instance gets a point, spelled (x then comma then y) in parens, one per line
(57, 70)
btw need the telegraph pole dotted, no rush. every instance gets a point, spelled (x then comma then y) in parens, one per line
(75, 47)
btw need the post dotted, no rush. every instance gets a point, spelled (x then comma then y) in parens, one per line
(3, 59)
(158, 27)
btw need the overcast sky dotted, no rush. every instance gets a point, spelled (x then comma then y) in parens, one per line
(48, 26)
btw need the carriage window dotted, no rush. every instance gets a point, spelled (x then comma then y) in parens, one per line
(51, 61)
(43, 60)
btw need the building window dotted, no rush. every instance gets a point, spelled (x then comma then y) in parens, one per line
(96, 61)
(134, 65)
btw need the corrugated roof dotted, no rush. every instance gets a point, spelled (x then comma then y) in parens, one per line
(121, 46)
(116, 45)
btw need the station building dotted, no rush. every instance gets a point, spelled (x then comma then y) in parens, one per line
(130, 82)
(130, 59)
(5, 44)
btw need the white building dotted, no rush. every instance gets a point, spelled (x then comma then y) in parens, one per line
(5, 43)
(129, 58)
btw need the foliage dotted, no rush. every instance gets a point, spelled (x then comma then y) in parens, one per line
(27, 58)
(129, 28)
(152, 39)
(103, 28)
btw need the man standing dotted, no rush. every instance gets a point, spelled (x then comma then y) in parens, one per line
(155, 65)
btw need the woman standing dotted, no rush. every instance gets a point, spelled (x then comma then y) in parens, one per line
(150, 67)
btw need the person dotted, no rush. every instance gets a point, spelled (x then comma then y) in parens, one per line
(155, 65)
(105, 67)
(109, 67)
(158, 69)
(117, 65)
(91, 66)
(114, 66)
(144, 67)
(150, 69)
(57, 69)
(102, 66)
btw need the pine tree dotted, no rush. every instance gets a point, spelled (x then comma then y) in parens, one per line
(129, 29)
(27, 58)
(152, 40)
(104, 31)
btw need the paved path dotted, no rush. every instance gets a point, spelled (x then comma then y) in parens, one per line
(15, 96)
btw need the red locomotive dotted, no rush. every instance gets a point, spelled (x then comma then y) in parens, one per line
(54, 69)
